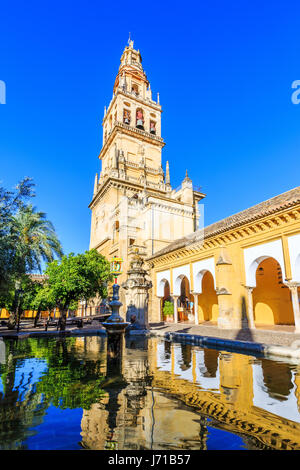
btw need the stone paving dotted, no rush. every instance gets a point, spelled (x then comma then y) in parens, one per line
(277, 336)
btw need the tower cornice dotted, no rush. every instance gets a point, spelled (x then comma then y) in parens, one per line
(127, 94)
(133, 132)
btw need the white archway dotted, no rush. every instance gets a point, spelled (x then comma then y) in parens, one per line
(254, 255)
(161, 287)
(199, 270)
(161, 279)
(294, 252)
(177, 284)
(178, 274)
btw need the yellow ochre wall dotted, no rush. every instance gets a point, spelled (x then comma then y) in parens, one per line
(271, 299)
(272, 304)
(208, 309)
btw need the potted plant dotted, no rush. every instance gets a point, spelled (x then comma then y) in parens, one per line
(168, 311)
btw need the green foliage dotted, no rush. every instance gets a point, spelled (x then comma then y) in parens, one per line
(11, 202)
(26, 239)
(78, 277)
(34, 239)
(168, 308)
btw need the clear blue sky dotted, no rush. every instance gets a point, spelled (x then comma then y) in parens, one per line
(224, 71)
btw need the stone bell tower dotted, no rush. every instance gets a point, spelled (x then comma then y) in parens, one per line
(134, 208)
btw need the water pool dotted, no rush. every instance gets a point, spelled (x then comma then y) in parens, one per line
(62, 394)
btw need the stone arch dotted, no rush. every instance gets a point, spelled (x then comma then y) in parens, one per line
(178, 274)
(199, 278)
(208, 308)
(271, 297)
(161, 287)
(254, 255)
(294, 252)
(177, 284)
(185, 300)
(199, 270)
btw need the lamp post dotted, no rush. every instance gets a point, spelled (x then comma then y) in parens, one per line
(116, 267)
(19, 294)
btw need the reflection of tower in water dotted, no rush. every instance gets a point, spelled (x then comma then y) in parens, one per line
(117, 422)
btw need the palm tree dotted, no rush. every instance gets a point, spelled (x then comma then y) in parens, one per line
(35, 241)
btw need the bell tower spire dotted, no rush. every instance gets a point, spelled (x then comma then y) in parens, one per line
(133, 200)
(132, 124)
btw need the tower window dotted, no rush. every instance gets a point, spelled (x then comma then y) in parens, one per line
(139, 119)
(152, 127)
(135, 89)
(126, 116)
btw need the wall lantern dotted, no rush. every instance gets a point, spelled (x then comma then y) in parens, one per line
(116, 267)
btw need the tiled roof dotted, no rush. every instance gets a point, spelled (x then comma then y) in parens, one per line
(263, 209)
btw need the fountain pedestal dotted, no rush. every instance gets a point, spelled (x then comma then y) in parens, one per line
(115, 323)
(137, 287)
(115, 327)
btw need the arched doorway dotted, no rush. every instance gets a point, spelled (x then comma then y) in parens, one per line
(185, 302)
(272, 303)
(166, 300)
(208, 308)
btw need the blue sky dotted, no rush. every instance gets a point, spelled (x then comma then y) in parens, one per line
(224, 71)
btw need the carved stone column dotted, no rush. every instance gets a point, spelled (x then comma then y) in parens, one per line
(293, 286)
(175, 297)
(195, 294)
(137, 295)
(250, 306)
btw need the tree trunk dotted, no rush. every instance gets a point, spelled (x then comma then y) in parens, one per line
(13, 315)
(37, 317)
(63, 318)
(12, 321)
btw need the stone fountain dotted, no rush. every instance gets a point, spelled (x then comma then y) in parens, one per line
(115, 325)
(137, 295)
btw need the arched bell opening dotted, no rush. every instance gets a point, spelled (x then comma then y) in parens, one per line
(140, 119)
(272, 304)
(153, 127)
(208, 308)
(135, 89)
(126, 116)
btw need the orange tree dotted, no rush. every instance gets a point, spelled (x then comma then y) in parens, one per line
(77, 277)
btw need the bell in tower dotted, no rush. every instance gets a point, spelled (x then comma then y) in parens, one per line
(139, 119)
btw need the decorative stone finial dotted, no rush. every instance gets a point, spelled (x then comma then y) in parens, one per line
(96, 184)
(167, 173)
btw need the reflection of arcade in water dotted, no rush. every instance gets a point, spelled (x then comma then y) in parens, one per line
(154, 395)
(258, 399)
(134, 415)
(173, 396)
